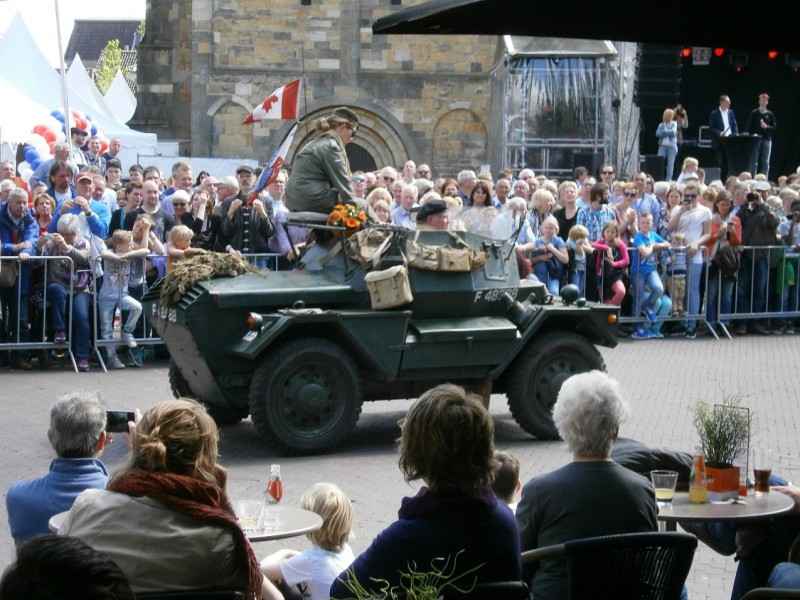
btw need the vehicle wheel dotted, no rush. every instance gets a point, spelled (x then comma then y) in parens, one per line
(537, 374)
(180, 389)
(305, 397)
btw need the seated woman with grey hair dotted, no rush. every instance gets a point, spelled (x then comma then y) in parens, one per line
(69, 275)
(592, 495)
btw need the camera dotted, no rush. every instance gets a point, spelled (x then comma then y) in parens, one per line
(752, 197)
(117, 420)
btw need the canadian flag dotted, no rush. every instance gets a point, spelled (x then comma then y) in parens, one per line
(281, 104)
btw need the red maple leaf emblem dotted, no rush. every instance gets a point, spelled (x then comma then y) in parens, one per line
(269, 102)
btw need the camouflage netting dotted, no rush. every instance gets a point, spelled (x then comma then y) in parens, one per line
(199, 265)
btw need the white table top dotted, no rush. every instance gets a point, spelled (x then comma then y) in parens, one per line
(293, 522)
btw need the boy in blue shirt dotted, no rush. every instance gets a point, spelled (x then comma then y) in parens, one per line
(644, 271)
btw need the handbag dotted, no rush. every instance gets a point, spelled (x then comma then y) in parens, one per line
(8, 272)
(728, 260)
(555, 268)
(389, 288)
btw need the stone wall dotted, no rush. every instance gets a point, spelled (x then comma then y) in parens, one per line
(204, 64)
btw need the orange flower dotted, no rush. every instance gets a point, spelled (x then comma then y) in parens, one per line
(362, 215)
(352, 223)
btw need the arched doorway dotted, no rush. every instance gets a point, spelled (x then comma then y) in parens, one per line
(360, 159)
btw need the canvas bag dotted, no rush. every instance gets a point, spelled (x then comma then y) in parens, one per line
(366, 245)
(444, 258)
(389, 288)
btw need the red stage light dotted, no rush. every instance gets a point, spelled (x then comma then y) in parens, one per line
(772, 54)
(719, 51)
(686, 53)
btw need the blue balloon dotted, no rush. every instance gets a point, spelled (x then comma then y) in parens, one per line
(35, 163)
(94, 129)
(58, 115)
(31, 154)
(88, 118)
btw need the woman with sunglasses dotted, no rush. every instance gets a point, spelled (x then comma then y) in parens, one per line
(627, 217)
(321, 172)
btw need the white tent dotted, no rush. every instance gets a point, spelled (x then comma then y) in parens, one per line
(120, 99)
(79, 82)
(24, 68)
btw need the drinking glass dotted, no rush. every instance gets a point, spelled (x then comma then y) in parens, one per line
(762, 469)
(664, 482)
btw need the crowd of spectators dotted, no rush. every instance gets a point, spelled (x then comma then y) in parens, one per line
(664, 251)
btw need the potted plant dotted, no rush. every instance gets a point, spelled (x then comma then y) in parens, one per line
(724, 431)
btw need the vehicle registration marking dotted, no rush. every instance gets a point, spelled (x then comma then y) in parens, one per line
(494, 295)
(250, 336)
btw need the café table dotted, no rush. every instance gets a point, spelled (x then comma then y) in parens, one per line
(747, 508)
(293, 522)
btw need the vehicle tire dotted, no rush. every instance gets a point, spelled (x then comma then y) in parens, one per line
(537, 374)
(305, 397)
(180, 389)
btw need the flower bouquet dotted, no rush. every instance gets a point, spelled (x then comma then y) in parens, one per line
(348, 216)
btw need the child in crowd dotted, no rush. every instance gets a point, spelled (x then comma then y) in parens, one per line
(116, 274)
(675, 281)
(506, 484)
(612, 259)
(644, 271)
(550, 257)
(579, 247)
(180, 239)
(689, 170)
(318, 567)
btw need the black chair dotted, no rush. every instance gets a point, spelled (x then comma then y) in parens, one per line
(192, 595)
(507, 590)
(630, 566)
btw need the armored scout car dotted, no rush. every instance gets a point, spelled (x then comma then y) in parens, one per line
(299, 351)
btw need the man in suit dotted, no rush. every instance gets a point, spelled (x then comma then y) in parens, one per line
(722, 123)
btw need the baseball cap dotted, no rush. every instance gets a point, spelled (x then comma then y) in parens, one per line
(113, 163)
(345, 113)
(247, 169)
(762, 186)
(85, 175)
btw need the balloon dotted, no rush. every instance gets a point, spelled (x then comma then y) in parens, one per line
(30, 154)
(47, 134)
(60, 136)
(103, 146)
(93, 129)
(57, 114)
(52, 146)
(35, 139)
(42, 148)
(23, 165)
(38, 129)
(88, 118)
(25, 174)
(35, 163)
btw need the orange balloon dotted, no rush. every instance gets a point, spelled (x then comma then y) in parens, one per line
(103, 146)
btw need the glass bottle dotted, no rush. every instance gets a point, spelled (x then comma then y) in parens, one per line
(275, 485)
(698, 489)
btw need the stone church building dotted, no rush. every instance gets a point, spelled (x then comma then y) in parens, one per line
(205, 64)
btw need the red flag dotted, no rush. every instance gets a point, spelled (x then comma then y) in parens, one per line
(270, 172)
(281, 104)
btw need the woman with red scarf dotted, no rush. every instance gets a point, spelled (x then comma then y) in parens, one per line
(165, 518)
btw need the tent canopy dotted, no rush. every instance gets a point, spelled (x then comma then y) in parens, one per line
(25, 69)
(710, 24)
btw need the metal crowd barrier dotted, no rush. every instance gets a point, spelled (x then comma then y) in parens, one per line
(265, 261)
(35, 325)
(145, 335)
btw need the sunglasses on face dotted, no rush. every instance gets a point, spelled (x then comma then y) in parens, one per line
(389, 179)
(359, 179)
(689, 196)
(179, 204)
(629, 194)
(608, 172)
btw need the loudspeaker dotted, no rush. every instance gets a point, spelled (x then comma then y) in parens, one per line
(712, 173)
(658, 76)
(591, 160)
(655, 165)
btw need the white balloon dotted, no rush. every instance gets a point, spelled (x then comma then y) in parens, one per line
(25, 174)
(60, 136)
(36, 140)
(23, 165)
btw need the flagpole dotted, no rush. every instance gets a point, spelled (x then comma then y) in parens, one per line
(64, 95)
(305, 98)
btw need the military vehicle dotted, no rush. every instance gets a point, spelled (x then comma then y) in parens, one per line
(299, 351)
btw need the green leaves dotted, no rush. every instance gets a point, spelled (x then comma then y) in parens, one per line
(724, 429)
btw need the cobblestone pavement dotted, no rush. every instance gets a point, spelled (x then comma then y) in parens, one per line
(662, 378)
